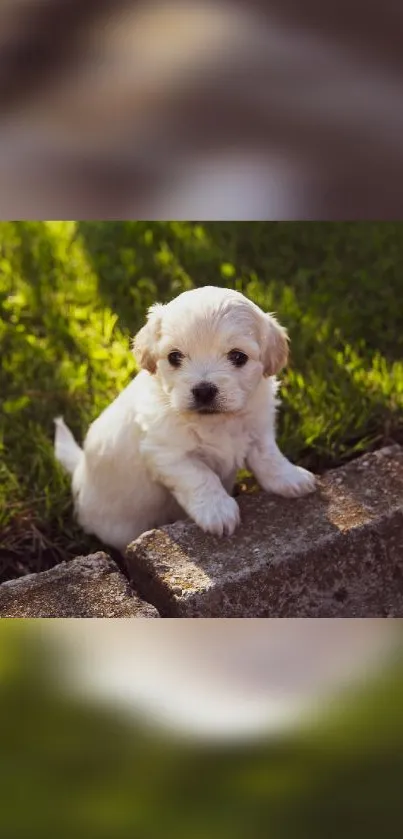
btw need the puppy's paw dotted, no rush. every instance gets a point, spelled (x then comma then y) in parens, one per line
(291, 482)
(218, 516)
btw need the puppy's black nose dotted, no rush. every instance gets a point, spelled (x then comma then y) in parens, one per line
(204, 393)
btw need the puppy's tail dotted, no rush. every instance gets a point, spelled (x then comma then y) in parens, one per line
(67, 451)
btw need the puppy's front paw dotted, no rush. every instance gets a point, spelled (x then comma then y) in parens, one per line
(291, 482)
(218, 516)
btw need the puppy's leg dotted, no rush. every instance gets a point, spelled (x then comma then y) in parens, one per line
(229, 482)
(197, 490)
(275, 473)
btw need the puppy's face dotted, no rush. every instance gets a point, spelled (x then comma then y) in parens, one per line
(209, 349)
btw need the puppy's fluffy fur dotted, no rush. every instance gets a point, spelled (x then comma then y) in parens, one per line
(166, 448)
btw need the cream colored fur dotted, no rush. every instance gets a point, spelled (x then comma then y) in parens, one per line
(152, 457)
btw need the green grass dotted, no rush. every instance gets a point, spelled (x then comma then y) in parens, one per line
(72, 294)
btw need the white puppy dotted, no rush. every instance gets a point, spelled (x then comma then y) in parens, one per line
(202, 407)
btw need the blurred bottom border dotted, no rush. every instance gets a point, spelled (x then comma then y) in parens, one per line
(201, 728)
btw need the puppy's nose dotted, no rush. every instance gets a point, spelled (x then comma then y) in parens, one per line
(204, 393)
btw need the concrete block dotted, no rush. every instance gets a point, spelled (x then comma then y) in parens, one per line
(336, 553)
(87, 587)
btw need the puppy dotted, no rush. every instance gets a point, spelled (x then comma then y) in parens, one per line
(202, 407)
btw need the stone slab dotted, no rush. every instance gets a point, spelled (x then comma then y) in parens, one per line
(336, 553)
(87, 587)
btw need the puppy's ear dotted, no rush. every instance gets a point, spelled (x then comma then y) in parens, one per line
(144, 343)
(275, 345)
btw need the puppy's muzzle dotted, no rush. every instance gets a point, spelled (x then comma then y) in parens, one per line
(204, 396)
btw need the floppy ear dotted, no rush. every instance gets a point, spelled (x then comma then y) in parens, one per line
(275, 343)
(144, 343)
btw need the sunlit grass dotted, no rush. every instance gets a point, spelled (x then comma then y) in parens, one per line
(72, 294)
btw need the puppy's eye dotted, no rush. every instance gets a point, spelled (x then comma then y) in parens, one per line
(175, 358)
(237, 358)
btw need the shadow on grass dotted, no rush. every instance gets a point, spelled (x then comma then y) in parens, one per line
(39, 528)
(350, 273)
